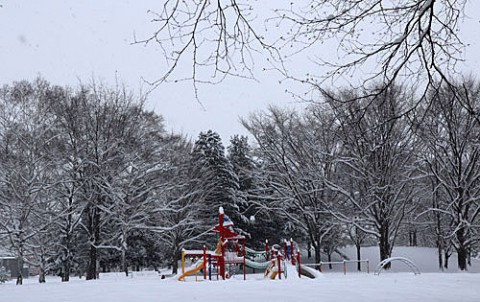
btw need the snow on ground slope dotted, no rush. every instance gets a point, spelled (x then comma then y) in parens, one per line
(353, 287)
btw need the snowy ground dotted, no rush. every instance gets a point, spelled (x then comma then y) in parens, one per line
(333, 286)
(392, 287)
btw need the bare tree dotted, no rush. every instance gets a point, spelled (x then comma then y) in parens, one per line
(401, 40)
(379, 41)
(298, 154)
(378, 147)
(25, 180)
(215, 38)
(450, 131)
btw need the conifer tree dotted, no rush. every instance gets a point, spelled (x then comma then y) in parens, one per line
(210, 163)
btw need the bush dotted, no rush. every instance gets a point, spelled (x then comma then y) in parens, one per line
(4, 275)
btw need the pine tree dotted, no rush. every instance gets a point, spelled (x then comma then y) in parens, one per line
(210, 163)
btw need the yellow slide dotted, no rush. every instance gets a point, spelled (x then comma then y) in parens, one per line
(198, 267)
(271, 271)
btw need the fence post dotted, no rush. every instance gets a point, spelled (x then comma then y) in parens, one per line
(368, 266)
(344, 267)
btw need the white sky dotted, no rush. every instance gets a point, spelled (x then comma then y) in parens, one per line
(67, 41)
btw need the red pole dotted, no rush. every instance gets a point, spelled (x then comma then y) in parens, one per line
(292, 249)
(279, 258)
(222, 259)
(204, 262)
(298, 263)
(244, 264)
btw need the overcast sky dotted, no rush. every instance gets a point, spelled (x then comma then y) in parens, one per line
(68, 41)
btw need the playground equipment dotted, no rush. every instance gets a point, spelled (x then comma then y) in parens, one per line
(407, 261)
(343, 263)
(231, 253)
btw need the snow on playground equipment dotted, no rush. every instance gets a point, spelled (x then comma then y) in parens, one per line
(229, 254)
(407, 261)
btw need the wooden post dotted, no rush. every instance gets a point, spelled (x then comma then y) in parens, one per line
(183, 261)
(344, 267)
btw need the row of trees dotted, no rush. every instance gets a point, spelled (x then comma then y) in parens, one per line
(89, 173)
(359, 164)
(90, 179)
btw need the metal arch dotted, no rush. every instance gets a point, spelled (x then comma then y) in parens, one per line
(407, 261)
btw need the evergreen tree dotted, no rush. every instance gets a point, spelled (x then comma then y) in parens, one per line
(210, 163)
(256, 224)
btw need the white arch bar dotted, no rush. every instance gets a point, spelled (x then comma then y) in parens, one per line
(407, 261)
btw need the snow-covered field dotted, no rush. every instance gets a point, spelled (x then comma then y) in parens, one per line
(333, 286)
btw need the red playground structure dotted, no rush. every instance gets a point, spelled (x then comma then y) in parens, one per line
(230, 251)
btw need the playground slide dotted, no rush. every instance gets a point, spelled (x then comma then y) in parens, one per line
(255, 255)
(257, 265)
(309, 272)
(197, 267)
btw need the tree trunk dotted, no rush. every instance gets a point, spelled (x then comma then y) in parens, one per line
(384, 244)
(318, 252)
(462, 258)
(124, 262)
(92, 263)
(94, 229)
(447, 257)
(68, 257)
(440, 259)
(462, 251)
(41, 276)
(20, 260)
(330, 260)
(359, 265)
(438, 227)
(175, 266)
(67, 266)
(20, 270)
